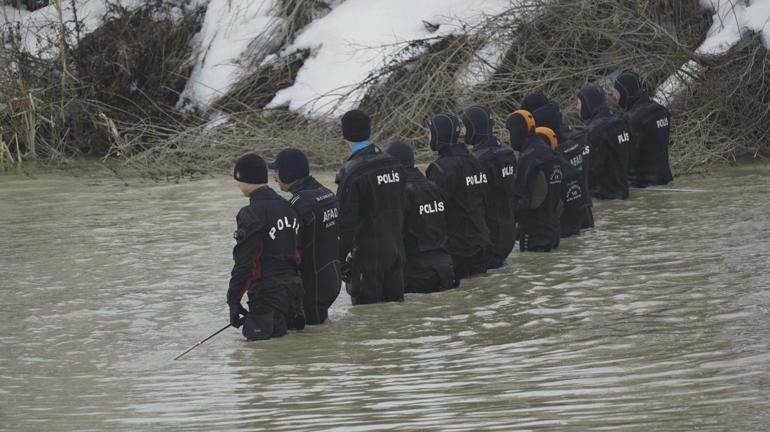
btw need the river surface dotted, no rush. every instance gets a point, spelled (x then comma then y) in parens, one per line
(659, 319)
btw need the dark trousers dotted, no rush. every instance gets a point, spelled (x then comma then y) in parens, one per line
(376, 285)
(441, 278)
(275, 305)
(469, 266)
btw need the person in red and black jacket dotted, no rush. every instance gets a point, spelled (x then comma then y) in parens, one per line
(266, 258)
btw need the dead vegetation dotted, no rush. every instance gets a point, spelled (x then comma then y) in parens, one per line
(114, 96)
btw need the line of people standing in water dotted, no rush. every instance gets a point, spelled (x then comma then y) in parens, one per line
(390, 229)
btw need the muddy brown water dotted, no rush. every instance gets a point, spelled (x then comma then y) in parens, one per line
(657, 319)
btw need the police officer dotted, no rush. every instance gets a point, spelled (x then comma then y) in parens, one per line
(609, 138)
(318, 233)
(575, 193)
(537, 188)
(463, 183)
(649, 123)
(266, 257)
(370, 190)
(428, 263)
(499, 165)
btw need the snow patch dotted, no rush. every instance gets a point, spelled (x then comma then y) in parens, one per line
(359, 36)
(732, 19)
(232, 31)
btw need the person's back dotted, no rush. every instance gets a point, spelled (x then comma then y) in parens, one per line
(499, 165)
(574, 193)
(428, 263)
(317, 209)
(463, 184)
(537, 188)
(609, 138)
(266, 258)
(371, 188)
(650, 127)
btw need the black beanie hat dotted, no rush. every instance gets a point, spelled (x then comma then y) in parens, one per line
(444, 130)
(534, 101)
(629, 87)
(251, 169)
(356, 126)
(592, 98)
(478, 124)
(401, 151)
(291, 165)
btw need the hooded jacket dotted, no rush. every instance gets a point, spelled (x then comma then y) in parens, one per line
(499, 165)
(463, 184)
(573, 157)
(610, 143)
(650, 128)
(537, 196)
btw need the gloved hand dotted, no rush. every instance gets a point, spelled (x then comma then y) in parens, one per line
(235, 315)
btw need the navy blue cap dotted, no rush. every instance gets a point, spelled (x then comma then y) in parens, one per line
(291, 165)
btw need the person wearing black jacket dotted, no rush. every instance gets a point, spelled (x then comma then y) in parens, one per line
(370, 189)
(499, 165)
(609, 138)
(428, 263)
(575, 193)
(650, 130)
(318, 233)
(266, 258)
(537, 188)
(463, 183)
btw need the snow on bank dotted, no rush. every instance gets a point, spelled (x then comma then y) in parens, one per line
(359, 36)
(732, 19)
(234, 32)
(9, 14)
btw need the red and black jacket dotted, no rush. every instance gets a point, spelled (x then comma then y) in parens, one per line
(266, 242)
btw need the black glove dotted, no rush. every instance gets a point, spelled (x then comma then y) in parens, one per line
(235, 315)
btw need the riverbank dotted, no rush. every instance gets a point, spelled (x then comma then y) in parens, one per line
(117, 84)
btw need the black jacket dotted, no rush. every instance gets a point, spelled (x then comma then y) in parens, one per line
(318, 213)
(464, 183)
(575, 195)
(649, 123)
(425, 227)
(609, 138)
(266, 242)
(537, 211)
(499, 165)
(370, 190)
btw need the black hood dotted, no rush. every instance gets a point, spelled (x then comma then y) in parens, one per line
(534, 101)
(630, 88)
(549, 116)
(520, 125)
(592, 100)
(401, 151)
(444, 131)
(478, 124)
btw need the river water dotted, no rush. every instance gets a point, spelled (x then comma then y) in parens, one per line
(659, 318)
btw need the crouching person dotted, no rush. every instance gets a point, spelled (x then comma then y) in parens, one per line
(428, 263)
(266, 258)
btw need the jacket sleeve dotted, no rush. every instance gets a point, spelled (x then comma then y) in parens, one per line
(349, 205)
(437, 175)
(247, 255)
(597, 150)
